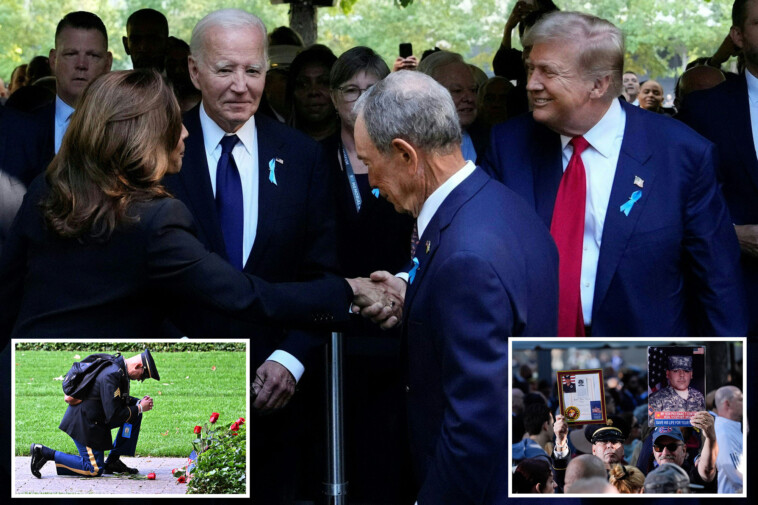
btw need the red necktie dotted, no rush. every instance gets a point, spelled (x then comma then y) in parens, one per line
(567, 229)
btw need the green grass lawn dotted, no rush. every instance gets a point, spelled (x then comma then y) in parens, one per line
(189, 390)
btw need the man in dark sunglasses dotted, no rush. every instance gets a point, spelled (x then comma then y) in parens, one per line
(669, 448)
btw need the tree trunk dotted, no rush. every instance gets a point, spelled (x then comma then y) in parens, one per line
(303, 19)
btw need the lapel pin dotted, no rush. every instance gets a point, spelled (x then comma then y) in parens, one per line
(638, 181)
(375, 192)
(272, 170)
(626, 207)
(280, 161)
(428, 246)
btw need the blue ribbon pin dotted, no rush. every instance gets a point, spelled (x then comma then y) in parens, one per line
(412, 272)
(375, 192)
(272, 171)
(632, 200)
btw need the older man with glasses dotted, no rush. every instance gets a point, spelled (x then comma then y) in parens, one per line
(669, 447)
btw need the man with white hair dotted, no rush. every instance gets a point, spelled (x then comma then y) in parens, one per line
(645, 241)
(449, 69)
(476, 281)
(261, 197)
(730, 462)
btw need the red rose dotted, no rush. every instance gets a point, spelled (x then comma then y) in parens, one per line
(151, 476)
(182, 479)
(235, 426)
(241, 421)
(198, 429)
(214, 417)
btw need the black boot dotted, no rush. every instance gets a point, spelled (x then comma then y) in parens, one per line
(115, 465)
(40, 456)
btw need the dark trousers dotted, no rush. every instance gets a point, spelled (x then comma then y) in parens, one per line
(90, 462)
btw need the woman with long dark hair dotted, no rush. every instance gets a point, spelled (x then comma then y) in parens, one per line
(99, 248)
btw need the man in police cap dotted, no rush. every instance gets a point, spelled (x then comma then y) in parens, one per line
(89, 422)
(607, 445)
(669, 447)
(678, 396)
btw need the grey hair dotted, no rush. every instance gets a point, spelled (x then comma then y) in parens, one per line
(431, 63)
(227, 19)
(599, 42)
(413, 107)
(725, 393)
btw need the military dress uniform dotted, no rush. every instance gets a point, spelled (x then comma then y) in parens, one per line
(89, 423)
(667, 400)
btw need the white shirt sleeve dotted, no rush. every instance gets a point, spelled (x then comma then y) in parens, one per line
(289, 362)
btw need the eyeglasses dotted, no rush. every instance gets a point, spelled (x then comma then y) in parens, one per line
(673, 446)
(352, 93)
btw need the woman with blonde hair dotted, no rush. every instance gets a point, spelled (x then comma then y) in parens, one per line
(99, 248)
(627, 479)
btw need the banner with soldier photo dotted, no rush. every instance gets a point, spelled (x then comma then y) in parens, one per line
(676, 382)
(582, 396)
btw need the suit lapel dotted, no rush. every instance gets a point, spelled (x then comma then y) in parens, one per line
(269, 194)
(197, 182)
(429, 242)
(618, 227)
(741, 128)
(547, 167)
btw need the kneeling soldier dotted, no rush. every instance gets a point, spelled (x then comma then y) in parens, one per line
(89, 422)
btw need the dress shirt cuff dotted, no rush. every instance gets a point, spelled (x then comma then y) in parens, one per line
(403, 275)
(139, 407)
(563, 454)
(289, 362)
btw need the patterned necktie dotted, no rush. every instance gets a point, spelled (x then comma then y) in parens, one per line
(229, 201)
(414, 239)
(567, 229)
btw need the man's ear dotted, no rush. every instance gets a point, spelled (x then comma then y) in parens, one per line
(736, 35)
(194, 71)
(405, 154)
(600, 87)
(126, 45)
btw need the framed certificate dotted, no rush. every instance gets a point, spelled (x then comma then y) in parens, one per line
(581, 395)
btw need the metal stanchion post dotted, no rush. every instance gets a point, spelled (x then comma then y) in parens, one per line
(335, 487)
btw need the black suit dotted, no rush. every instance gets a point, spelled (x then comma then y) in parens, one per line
(56, 287)
(23, 145)
(295, 240)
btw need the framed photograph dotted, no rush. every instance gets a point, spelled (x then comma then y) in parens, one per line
(581, 395)
(676, 384)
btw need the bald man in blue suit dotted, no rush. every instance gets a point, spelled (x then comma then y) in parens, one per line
(659, 255)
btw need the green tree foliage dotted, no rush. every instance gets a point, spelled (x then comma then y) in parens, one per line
(655, 30)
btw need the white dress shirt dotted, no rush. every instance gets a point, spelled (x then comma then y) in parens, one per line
(600, 160)
(245, 155)
(752, 95)
(63, 113)
(429, 209)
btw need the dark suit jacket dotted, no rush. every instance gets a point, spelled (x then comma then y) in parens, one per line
(481, 281)
(672, 266)
(108, 405)
(23, 145)
(56, 287)
(295, 234)
(722, 115)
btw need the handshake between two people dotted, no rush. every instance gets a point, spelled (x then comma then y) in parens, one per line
(379, 298)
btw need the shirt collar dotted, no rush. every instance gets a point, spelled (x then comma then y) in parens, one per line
(602, 136)
(440, 194)
(752, 86)
(212, 132)
(63, 111)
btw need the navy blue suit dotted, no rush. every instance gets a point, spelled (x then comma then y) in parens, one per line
(722, 115)
(295, 240)
(23, 145)
(671, 267)
(479, 281)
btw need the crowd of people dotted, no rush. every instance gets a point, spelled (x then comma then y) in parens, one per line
(241, 185)
(630, 453)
